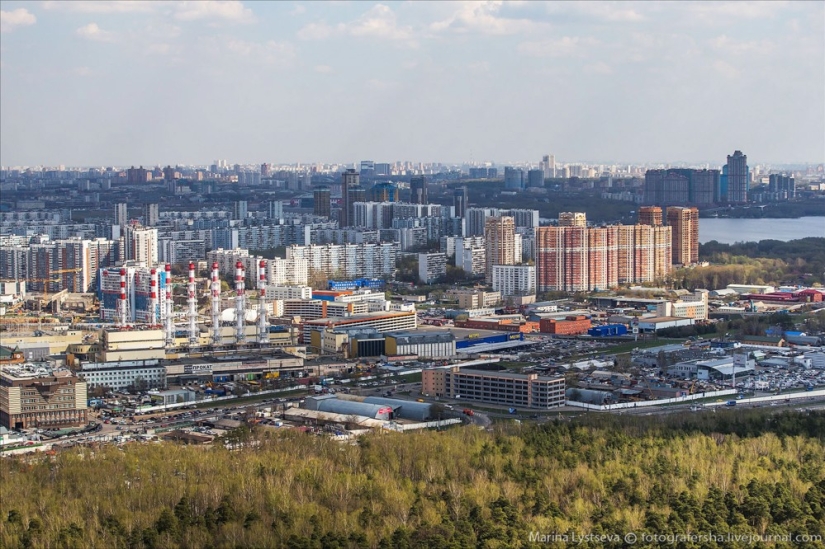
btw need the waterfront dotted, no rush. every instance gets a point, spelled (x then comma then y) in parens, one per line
(731, 230)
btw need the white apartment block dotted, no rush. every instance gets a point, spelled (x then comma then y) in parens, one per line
(288, 292)
(514, 279)
(141, 245)
(431, 267)
(348, 260)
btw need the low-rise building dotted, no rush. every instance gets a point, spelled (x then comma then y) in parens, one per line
(570, 325)
(138, 374)
(382, 322)
(430, 344)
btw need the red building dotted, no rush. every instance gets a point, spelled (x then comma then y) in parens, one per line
(571, 325)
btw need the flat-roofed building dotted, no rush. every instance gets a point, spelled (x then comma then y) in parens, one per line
(382, 322)
(424, 344)
(31, 397)
(140, 374)
(505, 388)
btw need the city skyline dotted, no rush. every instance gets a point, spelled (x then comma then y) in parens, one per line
(156, 83)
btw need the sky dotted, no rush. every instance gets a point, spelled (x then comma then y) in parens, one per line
(98, 83)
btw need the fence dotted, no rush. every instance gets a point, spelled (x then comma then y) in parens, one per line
(625, 405)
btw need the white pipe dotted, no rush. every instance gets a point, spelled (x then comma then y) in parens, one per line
(240, 307)
(216, 305)
(193, 307)
(153, 297)
(263, 328)
(170, 320)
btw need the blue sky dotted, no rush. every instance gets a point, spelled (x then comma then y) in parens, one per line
(121, 83)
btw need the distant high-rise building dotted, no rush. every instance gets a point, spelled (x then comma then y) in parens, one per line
(384, 192)
(418, 190)
(460, 201)
(367, 169)
(321, 204)
(169, 174)
(572, 219)
(136, 176)
(266, 170)
(141, 244)
(650, 215)
(240, 211)
(150, 215)
(548, 165)
(513, 178)
(535, 178)
(684, 224)
(782, 187)
(738, 178)
(276, 209)
(678, 187)
(349, 178)
(500, 243)
(355, 194)
(383, 169)
(121, 214)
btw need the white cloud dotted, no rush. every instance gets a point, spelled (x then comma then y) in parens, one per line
(318, 31)
(720, 12)
(381, 85)
(229, 10)
(607, 11)
(565, 46)
(21, 17)
(323, 69)
(267, 53)
(297, 10)
(479, 67)
(158, 49)
(726, 69)
(104, 6)
(484, 18)
(378, 22)
(599, 67)
(735, 47)
(82, 71)
(93, 32)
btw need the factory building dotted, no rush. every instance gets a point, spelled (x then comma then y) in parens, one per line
(569, 325)
(429, 344)
(382, 322)
(141, 307)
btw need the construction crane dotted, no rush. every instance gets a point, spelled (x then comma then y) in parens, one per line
(55, 277)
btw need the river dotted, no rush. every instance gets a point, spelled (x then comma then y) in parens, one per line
(729, 230)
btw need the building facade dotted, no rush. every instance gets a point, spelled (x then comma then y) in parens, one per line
(503, 388)
(49, 401)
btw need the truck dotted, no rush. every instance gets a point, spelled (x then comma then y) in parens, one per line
(468, 412)
(730, 403)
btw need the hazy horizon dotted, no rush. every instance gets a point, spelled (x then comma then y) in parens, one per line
(96, 83)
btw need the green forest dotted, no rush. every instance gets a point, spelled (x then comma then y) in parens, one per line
(799, 261)
(740, 472)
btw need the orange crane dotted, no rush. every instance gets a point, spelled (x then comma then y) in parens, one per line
(54, 278)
